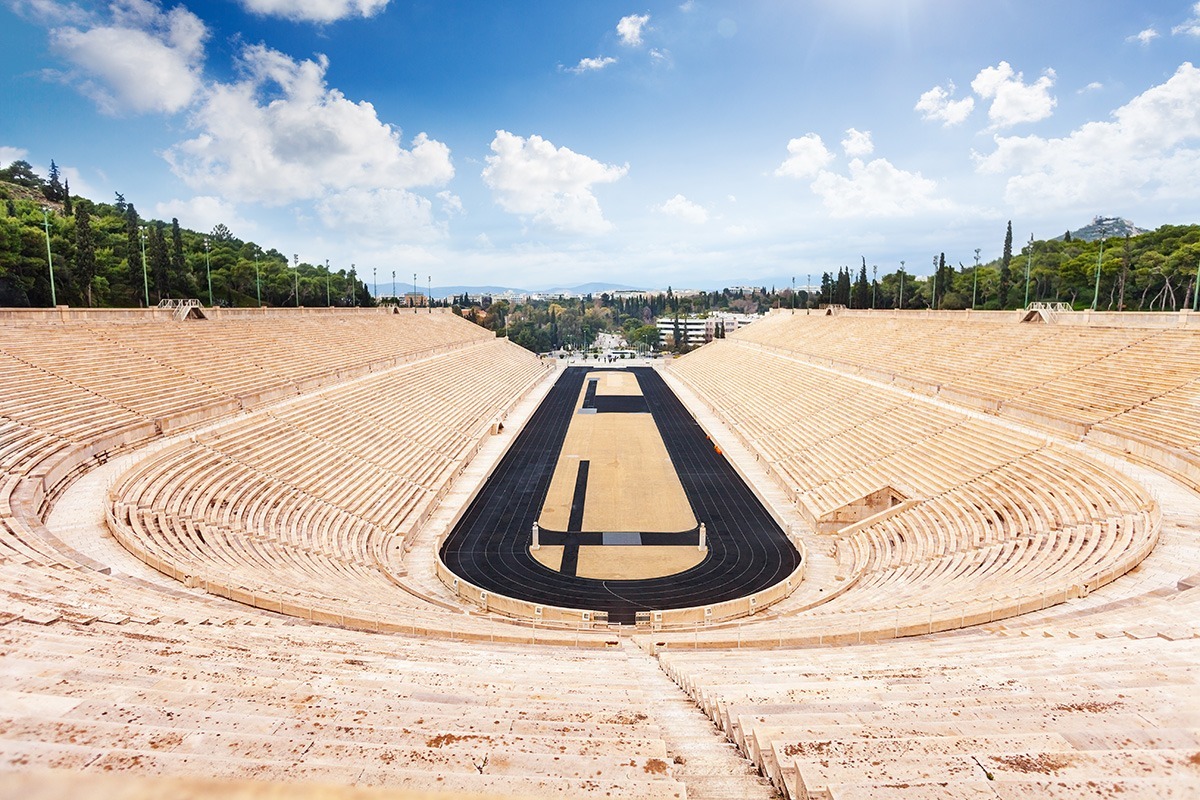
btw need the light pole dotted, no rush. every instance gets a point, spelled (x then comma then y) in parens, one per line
(207, 270)
(296, 276)
(806, 297)
(327, 303)
(257, 278)
(353, 287)
(429, 293)
(414, 297)
(394, 300)
(874, 282)
(50, 258)
(1196, 289)
(793, 294)
(902, 285)
(935, 283)
(145, 274)
(374, 281)
(1099, 259)
(975, 280)
(1028, 267)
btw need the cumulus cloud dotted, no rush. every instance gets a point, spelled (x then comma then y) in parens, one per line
(203, 213)
(1150, 149)
(50, 12)
(936, 105)
(857, 143)
(315, 10)
(807, 155)
(1013, 100)
(380, 215)
(11, 154)
(1143, 37)
(591, 64)
(630, 29)
(281, 134)
(551, 185)
(1094, 86)
(1191, 25)
(877, 189)
(683, 209)
(142, 59)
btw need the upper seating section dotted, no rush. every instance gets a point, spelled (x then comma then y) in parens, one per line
(1109, 384)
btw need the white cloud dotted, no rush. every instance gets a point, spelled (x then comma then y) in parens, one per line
(857, 143)
(11, 154)
(807, 155)
(687, 6)
(683, 209)
(203, 213)
(1191, 25)
(1143, 37)
(281, 134)
(630, 29)
(591, 64)
(380, 215)
(50, 12)
(143, 60)
(552, 185)
(1013, 100)
(877, 189)
(936, 105)
(452, 204)
(315, 10)
(1149, 150)
(1094, 86)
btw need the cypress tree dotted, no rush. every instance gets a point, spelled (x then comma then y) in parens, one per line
(68, 206)
(133, 251)
(159, 259)
(1006, 268)
(85, 251)
(181, 279)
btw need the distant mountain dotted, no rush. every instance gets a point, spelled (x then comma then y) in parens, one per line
(1107, 227)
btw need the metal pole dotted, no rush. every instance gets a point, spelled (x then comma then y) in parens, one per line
(902, 285)
(1099, 259)
(394, 287)
(793, 294)
(353, 287)
(1028, 267)
(327, 303)
(375, 281)
(935, 282)
(874, 282)
(809, 290)
(975, 280)
(296, 276)
(1196, 290)
(429, 293)
(208, 270)
(257, 279)
(145, 274)
(50, 258)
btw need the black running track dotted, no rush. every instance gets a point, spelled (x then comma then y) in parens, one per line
(489, 547)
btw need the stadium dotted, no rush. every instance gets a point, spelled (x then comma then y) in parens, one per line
(382, 553)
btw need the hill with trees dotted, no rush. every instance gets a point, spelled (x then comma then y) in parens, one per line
(107, 254)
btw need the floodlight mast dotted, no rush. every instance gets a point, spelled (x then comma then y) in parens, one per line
(50, 258)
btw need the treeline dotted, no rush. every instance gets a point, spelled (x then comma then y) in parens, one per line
(108, 255)
(1151, 271)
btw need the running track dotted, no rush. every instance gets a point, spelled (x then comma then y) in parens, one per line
(747, 551)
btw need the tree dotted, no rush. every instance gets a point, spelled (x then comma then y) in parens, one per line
(133, 253)
(862, 288)
(21, 173)
(159, 259)
(1006, 268)
(85, 252)
(181, 282)
(68, 207)
(53, 190)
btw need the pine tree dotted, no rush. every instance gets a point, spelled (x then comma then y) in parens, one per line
(1067, 236)
(54, 187)
(85, 252)
(1006, 268)
(120, 205)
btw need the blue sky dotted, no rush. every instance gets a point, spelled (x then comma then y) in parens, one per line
(691, 144)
